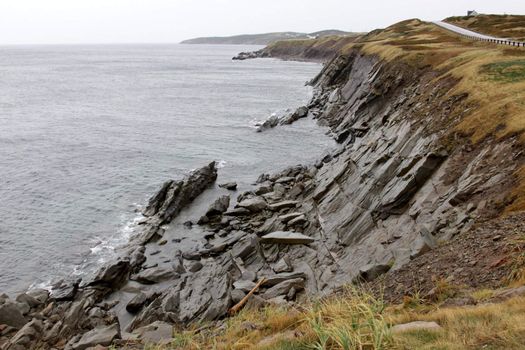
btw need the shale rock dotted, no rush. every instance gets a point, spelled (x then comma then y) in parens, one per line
(11, 315)
(254, 204)
(231, 186)
(175, 195)
(218, 207)
(99, 336)
(284, 288)
(155, 333)
(286, 237)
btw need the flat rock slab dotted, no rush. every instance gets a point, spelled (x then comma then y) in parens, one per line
(255, 204)
(286, 237)
(283, 205)
(99, 336)
(155, 333)
(416, 326)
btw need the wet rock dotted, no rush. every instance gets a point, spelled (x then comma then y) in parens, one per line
(137, 258)
(254, 204)
(286, 237)
(245, 247)
(301, 112)
(175, 195)
(139, 301)
(230, 186)
(154, 275)
(104, 336)
(237, 212)
(283, 288)
(112, 275)
(12, 315)
(203, 220)
(218, 207)
(63, 290)
(262, 178)
(248, 55)
(271, 122)
(266, 187)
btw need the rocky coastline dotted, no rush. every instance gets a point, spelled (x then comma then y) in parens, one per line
(392, 191)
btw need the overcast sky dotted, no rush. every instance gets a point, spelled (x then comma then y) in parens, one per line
(169, 21)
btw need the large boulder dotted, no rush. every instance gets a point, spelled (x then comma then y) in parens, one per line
(175, 195)
(254, 204)
(26, 337)
(218, 207)
(11, 315)
(112, 275)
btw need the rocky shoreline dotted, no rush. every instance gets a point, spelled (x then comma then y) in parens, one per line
(390, 193)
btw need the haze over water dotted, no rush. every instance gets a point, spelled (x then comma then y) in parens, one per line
(88, 133)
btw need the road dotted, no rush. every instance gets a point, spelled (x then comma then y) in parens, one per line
(466, 32)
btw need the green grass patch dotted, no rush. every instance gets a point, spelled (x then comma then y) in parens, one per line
(505, 72)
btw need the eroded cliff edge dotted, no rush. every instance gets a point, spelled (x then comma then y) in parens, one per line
(402, 181)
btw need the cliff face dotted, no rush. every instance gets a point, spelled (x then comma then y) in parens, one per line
(405, 179)
(400, 185)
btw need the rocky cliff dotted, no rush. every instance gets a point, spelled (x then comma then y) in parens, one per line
(404, 179)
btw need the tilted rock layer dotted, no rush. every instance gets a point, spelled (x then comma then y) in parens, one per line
(400, 182)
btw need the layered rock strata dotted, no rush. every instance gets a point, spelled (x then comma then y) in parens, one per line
(392, 191)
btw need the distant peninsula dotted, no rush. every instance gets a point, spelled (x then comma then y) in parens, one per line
(263, 39)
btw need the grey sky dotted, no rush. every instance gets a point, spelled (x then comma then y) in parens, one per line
(145, 21)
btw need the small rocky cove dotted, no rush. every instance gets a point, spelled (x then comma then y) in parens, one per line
(394, 188)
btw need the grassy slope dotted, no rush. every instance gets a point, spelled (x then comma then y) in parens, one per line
(502, 26)
(310, 49)
(494, 78)
(492, 75)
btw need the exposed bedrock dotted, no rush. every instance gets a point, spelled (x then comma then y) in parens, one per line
(392, 191)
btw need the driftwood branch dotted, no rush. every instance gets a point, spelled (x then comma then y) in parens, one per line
(244, 300)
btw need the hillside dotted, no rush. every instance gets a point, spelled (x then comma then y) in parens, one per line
(501, 26)
(417, 216)
(262, 39)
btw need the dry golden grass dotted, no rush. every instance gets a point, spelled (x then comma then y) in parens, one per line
(493, 76)
(486, 326)
(503, 26)
(356, 320)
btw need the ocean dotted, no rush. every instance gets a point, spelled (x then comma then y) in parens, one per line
(89, 133)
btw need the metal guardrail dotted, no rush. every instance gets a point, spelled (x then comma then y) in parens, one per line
(449, 27)
(496, 41)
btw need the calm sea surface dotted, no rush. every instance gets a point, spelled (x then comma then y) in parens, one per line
(88, 133)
